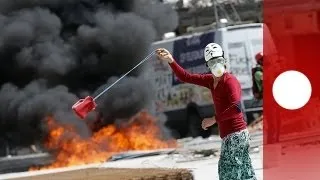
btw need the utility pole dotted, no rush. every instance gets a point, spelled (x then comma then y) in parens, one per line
(216, 13)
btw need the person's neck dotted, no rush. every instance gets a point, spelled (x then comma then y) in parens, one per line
(217, 79)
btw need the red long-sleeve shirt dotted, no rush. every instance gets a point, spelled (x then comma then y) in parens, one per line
(226, 97)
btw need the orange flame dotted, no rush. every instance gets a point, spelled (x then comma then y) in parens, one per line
(142, 133)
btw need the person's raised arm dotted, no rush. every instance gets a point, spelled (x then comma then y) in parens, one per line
(183, 75)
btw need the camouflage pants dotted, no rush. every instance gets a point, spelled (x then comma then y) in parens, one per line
(235, 162)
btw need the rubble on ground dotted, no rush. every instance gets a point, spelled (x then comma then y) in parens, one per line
(118, 173)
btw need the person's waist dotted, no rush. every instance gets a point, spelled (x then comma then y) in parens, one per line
(231, 125)
(235, 132)
(222, 117)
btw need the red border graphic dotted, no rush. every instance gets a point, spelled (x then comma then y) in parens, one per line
(291, 137)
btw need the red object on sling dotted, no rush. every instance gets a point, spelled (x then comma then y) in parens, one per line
(84, 106)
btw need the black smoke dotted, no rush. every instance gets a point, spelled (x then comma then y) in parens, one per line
(53, 52)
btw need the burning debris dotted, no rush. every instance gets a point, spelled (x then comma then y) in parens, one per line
(141, 132)
(53, 52)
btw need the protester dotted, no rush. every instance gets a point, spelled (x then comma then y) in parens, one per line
(235, 162)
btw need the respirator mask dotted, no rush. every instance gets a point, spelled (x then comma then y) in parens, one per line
(217, 66)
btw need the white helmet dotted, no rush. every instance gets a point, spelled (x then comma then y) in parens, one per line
(212, 50)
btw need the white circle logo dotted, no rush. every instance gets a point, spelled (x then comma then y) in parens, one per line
(292, 90)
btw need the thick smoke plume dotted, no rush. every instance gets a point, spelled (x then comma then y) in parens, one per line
(53, 52)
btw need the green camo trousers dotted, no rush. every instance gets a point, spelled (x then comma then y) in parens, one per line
(235, 162)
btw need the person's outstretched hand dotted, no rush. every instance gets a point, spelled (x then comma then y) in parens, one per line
(164, 55)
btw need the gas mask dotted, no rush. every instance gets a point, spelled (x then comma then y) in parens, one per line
(218, 70)
(217, 66)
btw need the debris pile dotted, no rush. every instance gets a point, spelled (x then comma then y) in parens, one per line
(117, 173)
